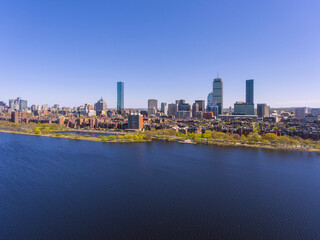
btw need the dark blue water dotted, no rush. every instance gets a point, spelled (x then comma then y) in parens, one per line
(67, 189)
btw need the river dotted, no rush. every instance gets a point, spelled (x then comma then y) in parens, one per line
(68, 189)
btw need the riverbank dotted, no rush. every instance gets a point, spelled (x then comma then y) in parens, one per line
(131, 139)
(94, 131)
(110, 139)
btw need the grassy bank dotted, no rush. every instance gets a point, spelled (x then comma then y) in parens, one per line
(253, 140)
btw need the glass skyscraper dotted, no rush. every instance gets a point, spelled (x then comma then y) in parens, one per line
(120, 96)
(218, 94)
(249, 91)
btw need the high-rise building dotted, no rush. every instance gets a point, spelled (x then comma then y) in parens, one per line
(135, 121)
(152, 106)
(164, 108)
(18, 104)
(181, 101)
(120, 96)
(201, 104)
(243, 108)
(210, 99)
(183, 106)
(101, 105)
(301, 112)
(263, 110)
(212, 108)
(195, 108)
(246, 108)
(23, 105)
(217, 92)
(172, 109)
(11, 104)
(249, 91)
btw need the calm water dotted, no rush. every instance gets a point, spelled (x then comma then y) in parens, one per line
(67, 189)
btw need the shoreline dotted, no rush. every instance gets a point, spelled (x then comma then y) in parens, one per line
(80, 137)
(217, 143)
(93, 131)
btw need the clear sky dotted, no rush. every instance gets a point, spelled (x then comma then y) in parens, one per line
(74, 52)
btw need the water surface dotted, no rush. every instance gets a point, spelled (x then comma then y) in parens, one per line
(67, 189)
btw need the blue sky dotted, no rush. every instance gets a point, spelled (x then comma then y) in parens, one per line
(74, 52)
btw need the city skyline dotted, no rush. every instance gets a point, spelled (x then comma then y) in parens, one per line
(71, 54)
(120, 98)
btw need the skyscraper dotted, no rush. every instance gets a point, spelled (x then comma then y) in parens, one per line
(18, 104)
(101, 105)
(152, 106)
(172, 109)
(23, 105)
(210, 99)
(120, 96)
(249, 91)
(218, 94)
(164, 108)
(11, 104)
(201, 104)
(263, 110)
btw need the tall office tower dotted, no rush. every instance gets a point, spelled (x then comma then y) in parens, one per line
(263, 110)
(210, 99)
(249, 91)
(181, 101)
(101, 105)
(152, 106)
(120, 96)
(11, 104)
(249, 96)
(201, 104)
(172, 109)
(164, 108)
(23, 105)
(184, 107)
(195, 108)
(218, 94)
(300, 112)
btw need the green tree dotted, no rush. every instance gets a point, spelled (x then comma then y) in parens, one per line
(271, 137)
(112, 137)
(243, 138)
(37, 130)
(218, 135)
